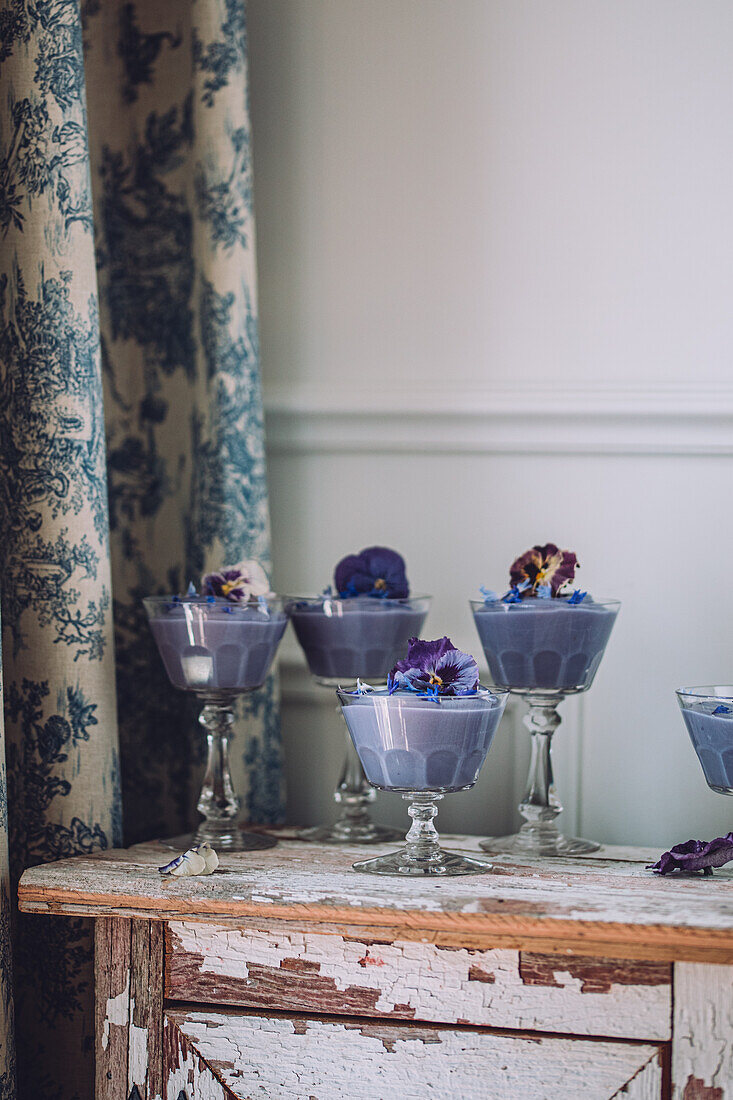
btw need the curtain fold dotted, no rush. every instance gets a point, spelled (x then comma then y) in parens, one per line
(8, 1089)
(128, 301)
(172, 182)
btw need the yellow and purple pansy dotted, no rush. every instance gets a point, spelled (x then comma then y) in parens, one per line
(435, 668)
(542, 571)
(239, 583)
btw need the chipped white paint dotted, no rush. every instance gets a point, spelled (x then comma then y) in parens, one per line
(312, 882)
(438, 984)
(294, 1059)
(192, 1077)
(702, 1052)
(117, 1012)
(137, 1052)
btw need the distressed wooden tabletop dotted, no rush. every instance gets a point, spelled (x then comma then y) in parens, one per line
(606, 904)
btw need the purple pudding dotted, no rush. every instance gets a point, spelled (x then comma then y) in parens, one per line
(357, 636)
(212, 645)
(408, 742)
(708, 716)
(544, 644)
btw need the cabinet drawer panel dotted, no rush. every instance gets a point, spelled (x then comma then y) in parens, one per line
(291, 971)
(236, 1055)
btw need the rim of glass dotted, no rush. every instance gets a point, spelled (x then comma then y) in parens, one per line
(212, 601)
(379, 693)
(610, 601)
(361, 596)
(707, 691)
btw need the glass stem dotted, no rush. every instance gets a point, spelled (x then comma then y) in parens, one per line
(354, 794)
(540, 806)
(218, 802)
(422, 841)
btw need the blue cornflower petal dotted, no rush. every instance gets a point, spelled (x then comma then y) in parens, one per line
(577, 597)
(488, 594)
(544, 592)
(191, 590)
(722, 709)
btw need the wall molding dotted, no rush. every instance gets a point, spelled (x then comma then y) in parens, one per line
(664, 420)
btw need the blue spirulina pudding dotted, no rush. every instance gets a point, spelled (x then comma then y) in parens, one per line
(362, 630)
(425, 735)
(406, 743)
(546, 644)
(708, 715)
(209, 644)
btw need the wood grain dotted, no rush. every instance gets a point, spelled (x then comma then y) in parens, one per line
(112, 1007)
(300, 1058)
(702, 1052)
(586, 907)
(417, 981)
(128, 966)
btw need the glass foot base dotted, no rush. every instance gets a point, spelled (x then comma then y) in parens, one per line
(234, 840)
(349, 833)
(539, 842)
(442, 865)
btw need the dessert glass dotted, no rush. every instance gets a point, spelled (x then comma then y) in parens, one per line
(708, 715)
(345, 640)
(543, 650)
(422, 748)
(218, 650)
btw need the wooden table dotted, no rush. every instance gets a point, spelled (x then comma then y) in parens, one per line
(286, 974)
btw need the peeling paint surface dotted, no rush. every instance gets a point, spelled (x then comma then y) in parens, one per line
(321, 880)
(118, 1012)
(407, 980)
(286, 1059)
(702, 1054)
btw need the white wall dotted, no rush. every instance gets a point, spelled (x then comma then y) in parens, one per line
(495, 256)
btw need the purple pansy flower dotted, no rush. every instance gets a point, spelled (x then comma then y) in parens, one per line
(543, 567)
(695, 855)
(376, 571)
(239, 583)
(435, 668)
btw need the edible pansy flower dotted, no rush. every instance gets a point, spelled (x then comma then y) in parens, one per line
(376, 571)
(695, 855)
(435, 668)
(541, 568)
(239, 583)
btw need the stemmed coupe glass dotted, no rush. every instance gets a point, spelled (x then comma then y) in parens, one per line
(218, 650)
(422, 748)
(345, 640)
(543, 650)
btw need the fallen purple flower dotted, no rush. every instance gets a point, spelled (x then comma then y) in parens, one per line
(695, 855)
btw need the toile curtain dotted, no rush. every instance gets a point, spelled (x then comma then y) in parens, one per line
(131, 450)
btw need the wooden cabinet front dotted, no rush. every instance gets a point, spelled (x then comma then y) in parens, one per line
(211, 1055)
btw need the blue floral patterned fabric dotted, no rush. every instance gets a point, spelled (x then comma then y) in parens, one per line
(128, 299)
(172, 181)
(7, 1030)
